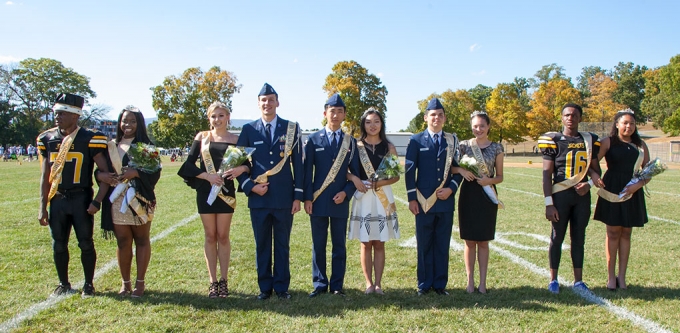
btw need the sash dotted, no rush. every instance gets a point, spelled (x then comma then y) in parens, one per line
(611, 197)
(450, 148)
(483, 167)
(58, 165)
(210, 167)
(144, 215)
(288, 150)
(570, 182)
(344, 148)
(368, 168)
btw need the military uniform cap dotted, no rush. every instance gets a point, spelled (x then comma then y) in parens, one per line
(434, 104)
(267, 90)
(69, 103)
(334, 100)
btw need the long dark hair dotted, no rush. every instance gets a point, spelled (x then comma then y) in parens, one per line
(614, 133)
(364, 134)
(140, 135)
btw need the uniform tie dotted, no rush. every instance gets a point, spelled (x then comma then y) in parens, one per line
(334, 143)
(436, 142)
(268, 129)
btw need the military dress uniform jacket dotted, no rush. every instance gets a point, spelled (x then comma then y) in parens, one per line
(319, 159)
(428, 170)
(285, 186)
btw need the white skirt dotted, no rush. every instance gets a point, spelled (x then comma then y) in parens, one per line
(368, 221)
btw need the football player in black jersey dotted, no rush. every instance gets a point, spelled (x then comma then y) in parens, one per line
(66, 185)
(567, 156)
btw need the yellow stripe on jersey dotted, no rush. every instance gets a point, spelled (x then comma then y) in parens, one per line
(545, 138)
(96, 146)
(99, 137)
(545, 145)
(41, 147)
(596, 143)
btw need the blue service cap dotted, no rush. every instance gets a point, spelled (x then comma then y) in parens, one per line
(434, 104)
(267, 90)
(335, 100)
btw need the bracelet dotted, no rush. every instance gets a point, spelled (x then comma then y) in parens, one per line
(590, 182)
(96, 204)
(548, 201)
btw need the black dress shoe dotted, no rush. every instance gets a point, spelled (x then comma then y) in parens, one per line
(441, 292)
(283, 295)
(422, 292)
(317, 292)
(339, 293)
(264, 295)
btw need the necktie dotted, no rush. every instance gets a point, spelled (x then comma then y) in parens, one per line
(268, 129)
(334, 143)
(436, 142)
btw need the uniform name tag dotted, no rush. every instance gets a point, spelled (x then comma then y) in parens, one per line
(258, 142)
(424, 149)
(319, 149)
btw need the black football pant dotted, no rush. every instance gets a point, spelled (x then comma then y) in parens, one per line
(573, 211)
(67, 209)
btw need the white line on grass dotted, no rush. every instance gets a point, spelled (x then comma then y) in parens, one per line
(539, 195)
(18, 202)
(52, 301)
(619, 311)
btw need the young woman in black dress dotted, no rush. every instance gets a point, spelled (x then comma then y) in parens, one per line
(625, 152)
(476, 212)
(216, 218)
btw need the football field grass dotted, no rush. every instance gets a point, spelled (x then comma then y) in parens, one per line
(177, 280)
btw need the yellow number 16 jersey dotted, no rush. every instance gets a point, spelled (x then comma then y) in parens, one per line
(569, 154)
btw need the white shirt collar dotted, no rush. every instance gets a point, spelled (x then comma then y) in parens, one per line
(433, 133)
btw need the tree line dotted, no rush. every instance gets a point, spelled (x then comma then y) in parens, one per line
(525, 107)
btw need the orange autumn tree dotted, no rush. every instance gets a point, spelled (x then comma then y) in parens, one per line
(546, 106)
(601, 106)
(508, 118)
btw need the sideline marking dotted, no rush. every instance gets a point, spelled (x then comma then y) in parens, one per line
(621, 312)
(10, 203)
(52, 301)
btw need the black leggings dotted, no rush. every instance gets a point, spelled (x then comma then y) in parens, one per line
(573, 210)
(70, 209)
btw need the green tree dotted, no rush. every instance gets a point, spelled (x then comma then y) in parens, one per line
(546, 106)
(181, 103)
(481, 94)
(31, 87)
(93, 114)
(548, 73)
(630, 82)
(508, 119)
(359, 90)
(662, 96)
(417, 124)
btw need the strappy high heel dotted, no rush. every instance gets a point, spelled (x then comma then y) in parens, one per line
(223, 290)
(139, 289)
(125, 289)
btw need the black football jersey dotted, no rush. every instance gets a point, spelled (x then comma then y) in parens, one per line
(568, 153)
(79, 162)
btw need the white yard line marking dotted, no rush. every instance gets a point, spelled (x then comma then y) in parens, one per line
(10, 203)
(539, 195)
(619, 311)
(52, 301)
(665, 193)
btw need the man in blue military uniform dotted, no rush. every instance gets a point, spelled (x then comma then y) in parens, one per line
(69, 154)
(329, 155)
(276, 164)
(431, 189)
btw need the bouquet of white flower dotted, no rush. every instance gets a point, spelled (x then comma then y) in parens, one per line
(470, 164)
(653, 168)
(390, 167)
(233, 157)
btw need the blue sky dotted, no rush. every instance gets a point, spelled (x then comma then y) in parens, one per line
(416, 47)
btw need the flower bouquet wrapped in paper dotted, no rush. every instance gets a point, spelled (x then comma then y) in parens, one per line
(391, 167)
(144, 158)
(470, 164)
(233, 157)
(652, 169)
